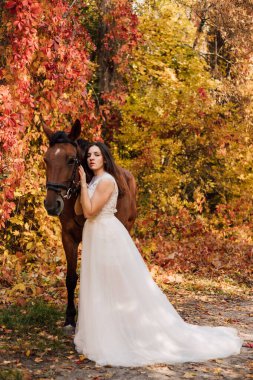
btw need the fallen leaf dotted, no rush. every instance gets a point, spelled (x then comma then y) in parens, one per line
(38, 360)
(217, 371)
(189, 375)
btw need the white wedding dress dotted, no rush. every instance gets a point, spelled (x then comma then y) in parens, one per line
(124, 319)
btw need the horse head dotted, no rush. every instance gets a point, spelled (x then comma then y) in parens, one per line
(62, 160)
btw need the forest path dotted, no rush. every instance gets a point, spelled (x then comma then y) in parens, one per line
(196, 304)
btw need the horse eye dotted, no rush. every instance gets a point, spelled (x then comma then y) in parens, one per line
(71, 161)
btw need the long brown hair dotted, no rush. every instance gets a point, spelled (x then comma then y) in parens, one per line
(109, 166)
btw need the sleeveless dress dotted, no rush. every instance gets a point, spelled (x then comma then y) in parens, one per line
(124, 319)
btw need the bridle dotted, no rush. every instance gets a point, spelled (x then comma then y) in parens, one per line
(71, 189)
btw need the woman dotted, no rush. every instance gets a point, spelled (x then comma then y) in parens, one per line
(124, 319)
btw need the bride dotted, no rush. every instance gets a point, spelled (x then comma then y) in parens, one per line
(124, 319)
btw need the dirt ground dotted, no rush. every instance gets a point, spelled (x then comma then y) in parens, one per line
(199, 307)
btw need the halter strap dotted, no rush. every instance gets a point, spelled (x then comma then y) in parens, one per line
(71, 189)
(55, 186)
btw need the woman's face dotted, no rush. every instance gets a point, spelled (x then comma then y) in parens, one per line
(95, 158)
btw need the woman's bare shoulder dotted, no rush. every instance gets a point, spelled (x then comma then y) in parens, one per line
(108, 176)
(106, 183)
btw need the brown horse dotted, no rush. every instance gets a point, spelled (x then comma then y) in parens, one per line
(64, 155)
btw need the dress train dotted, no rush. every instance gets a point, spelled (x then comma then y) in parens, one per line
(124, 319)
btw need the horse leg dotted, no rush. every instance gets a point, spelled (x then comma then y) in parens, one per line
(70, 247)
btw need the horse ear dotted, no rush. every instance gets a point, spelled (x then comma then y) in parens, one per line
(47, 131)
(75, 130)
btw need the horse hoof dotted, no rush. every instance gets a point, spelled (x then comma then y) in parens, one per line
(69, 330)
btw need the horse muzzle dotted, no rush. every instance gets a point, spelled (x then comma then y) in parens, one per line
(54, 208)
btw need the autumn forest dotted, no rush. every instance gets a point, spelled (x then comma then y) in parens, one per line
(168, 85)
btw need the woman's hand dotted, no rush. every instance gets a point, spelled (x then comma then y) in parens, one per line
(82, 176)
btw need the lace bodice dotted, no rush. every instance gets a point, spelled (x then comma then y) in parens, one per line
(110, 207)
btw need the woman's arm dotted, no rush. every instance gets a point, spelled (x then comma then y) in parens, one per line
(92, 206)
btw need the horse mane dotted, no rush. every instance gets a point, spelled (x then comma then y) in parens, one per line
(82, 144)
(61, 137)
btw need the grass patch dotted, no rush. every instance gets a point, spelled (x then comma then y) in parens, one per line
(34, 314)
(35, 327)
(10, 374)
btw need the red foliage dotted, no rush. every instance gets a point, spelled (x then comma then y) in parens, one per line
(186, 244)
(46, 72)
(16, 101)
(202, 93)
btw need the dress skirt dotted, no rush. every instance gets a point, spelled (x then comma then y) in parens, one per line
(124, 319)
